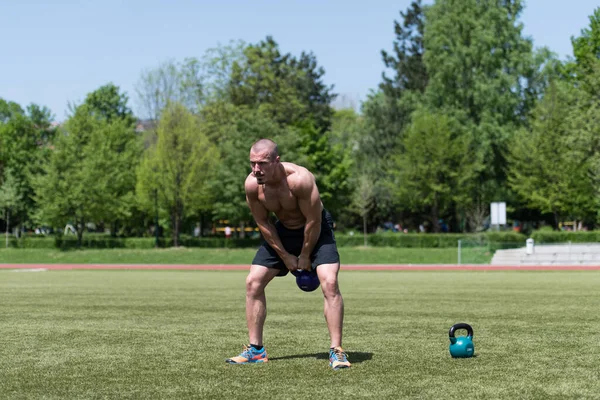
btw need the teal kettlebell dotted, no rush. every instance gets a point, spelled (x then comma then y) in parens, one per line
(462, 346)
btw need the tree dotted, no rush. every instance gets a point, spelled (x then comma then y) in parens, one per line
(117, 154)
(237, 128)
(407, 62)
(217, 66)
(330, 164)
(483, 71)
(109, 103)
(347, 129)
(10, 197)
(8, 110)
(65, 191)
(25, 140)
(289, 89)
(549, 164)
(362, 201)
(114, 155)
(170, 82)
(177, 168)
(586, 47)
(438, 167)
(387, 111)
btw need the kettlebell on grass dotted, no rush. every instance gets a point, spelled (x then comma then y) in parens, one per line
(461, 346)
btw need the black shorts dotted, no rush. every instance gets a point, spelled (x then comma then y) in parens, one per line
(324, 252)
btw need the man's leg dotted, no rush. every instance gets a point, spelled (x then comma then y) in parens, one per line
(256, 312)
(334, 313)
(334, 304)
(256, 302)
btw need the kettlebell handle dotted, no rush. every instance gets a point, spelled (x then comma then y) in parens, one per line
(461, 325)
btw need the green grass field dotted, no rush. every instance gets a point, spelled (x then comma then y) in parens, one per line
(349, 255)
(165, 334)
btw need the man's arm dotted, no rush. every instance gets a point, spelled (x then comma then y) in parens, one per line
(261, 216)
(309, 201)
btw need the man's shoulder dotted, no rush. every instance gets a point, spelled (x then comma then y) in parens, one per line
(251, 185)
(299, 177)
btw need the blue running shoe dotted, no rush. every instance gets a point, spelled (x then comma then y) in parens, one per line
(338, 358)
(249, 356)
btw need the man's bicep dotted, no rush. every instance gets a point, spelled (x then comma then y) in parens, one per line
(259, 212)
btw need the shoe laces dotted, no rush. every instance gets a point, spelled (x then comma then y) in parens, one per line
(339, 354)
(247, 352)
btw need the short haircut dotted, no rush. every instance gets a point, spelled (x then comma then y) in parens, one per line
(267, 145)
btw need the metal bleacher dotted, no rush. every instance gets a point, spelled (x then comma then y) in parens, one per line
(554, 254)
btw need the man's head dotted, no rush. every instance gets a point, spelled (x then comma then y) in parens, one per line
(264, 160)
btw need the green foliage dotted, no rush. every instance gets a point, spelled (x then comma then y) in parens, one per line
(407, 60)
(108, 103)
(586, 47)
(438, 167)
(10, 192)
(534, 156)
(237, 129)
(170, 82)
(287, 88)
(9, 110)
(10, 198)
(330, 166)
(90, 175)
(483, 71)
(362, 201)
(92, 241)
(177, 168)
(64, 190)
(25, 138)
(432, 240)
(111, 165)
(379, 144)
(543, 237)
(347, 130)
(344, 240)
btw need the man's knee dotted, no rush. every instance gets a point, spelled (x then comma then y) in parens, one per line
(257, 279)
(328, 276)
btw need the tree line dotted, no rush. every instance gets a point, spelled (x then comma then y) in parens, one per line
(467, 112)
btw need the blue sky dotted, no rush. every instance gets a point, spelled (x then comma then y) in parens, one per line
(54, 52)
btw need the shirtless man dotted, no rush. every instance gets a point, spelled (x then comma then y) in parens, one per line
(301, 239)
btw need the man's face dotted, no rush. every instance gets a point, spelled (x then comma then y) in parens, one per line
(263, 168)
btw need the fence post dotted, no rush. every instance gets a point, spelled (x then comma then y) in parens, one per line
(459, 246)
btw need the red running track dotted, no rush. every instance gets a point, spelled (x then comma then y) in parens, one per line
(356, 267)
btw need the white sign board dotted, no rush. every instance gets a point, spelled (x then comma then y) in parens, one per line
(498, 213)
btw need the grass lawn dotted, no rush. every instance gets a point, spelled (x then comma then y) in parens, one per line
(165, 334)
(349, 255)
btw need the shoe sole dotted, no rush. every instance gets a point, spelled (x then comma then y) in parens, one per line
(247, 362)
(340, 367)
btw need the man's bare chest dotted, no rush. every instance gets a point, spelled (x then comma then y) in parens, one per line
(277, 199)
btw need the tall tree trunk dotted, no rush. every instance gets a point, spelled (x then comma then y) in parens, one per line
(79, 227)
(175, 233)
(435, 217)
(7, 224)
(177, 225)
(365, 229)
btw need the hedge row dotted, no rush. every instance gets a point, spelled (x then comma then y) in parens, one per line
(70, 242)
(541, 237)
(495, 239)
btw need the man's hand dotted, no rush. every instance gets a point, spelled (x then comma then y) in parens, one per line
(304, 263)
(291, 262)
